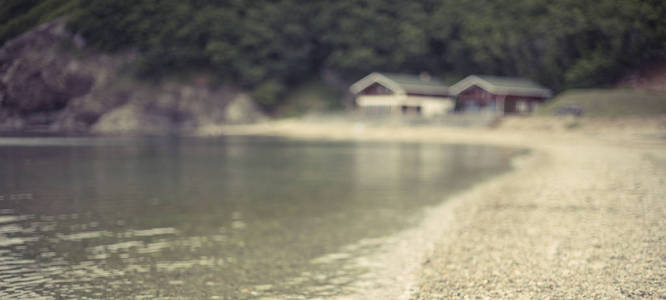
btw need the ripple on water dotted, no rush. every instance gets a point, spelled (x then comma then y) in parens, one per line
(7, 242)
(84, 235)
(13, 219)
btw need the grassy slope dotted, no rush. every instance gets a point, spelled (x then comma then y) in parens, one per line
(610, 102)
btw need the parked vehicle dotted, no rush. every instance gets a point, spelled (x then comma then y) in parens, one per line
(569, 109)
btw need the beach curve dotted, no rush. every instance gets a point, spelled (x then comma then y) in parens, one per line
(581, 217)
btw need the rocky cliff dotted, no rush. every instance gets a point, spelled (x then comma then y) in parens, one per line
(50, 81)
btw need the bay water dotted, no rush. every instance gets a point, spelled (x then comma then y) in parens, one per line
(213, 218)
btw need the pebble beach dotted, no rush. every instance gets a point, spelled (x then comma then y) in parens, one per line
(583, 215)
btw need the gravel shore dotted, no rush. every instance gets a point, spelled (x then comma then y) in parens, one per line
(583, 216)
(580, 221)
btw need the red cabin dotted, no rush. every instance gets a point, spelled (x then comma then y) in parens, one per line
(503, 95)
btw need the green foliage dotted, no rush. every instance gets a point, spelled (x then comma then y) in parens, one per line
(275, 45)
(311, 96)
(268, 94)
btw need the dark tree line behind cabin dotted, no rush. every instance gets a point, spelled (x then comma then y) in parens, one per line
(269, 46)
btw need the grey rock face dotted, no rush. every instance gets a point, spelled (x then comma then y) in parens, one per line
(45, 85)
(33, 79)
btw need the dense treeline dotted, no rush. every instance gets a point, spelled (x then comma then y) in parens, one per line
(268, 45)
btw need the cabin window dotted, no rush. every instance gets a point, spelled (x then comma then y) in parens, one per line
(406, 109)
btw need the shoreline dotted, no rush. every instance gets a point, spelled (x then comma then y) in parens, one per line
(397, 265)
(581, 216)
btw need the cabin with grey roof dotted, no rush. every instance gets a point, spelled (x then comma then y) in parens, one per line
(400, 94)
(500, 95)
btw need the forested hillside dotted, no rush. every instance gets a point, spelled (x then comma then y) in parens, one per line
(271, 45)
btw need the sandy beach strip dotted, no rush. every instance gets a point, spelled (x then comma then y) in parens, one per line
(583, 216)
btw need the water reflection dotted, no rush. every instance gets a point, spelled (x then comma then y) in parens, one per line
(207, 218)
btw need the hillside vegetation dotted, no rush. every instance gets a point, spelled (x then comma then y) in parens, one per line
(18, 16)
(609, 102)
(271, 46)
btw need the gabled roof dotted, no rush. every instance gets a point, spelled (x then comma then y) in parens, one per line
(402, 84)
(502, 86)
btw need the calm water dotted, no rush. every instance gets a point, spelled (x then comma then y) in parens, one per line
(211, 218)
